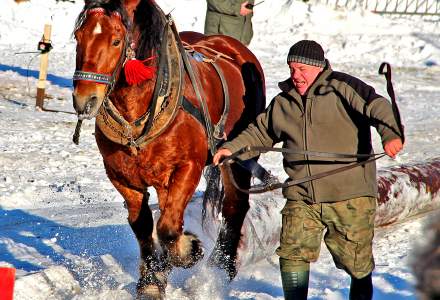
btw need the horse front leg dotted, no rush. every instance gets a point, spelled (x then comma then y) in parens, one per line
(234, 209)
(153, 267)
(183, 248)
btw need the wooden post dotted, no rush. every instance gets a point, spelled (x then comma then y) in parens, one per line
(44, 62)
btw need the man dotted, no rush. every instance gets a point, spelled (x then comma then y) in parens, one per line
(230, 17)
(322, 110)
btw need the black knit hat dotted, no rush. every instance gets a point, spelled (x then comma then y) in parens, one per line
(307, 52)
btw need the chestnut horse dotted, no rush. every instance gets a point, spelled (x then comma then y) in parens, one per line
(161, 130)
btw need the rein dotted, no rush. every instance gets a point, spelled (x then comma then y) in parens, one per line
(269, 182)
(390, 91)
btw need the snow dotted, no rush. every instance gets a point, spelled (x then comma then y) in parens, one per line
(63, 226)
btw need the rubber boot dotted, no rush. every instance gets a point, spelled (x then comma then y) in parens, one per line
(295, 285)
(361, 289)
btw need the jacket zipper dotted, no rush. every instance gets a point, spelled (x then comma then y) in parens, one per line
(308, 112)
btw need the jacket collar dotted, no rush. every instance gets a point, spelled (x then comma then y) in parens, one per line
(288, 87)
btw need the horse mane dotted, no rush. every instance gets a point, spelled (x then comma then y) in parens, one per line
(108, 6)
(150, 20)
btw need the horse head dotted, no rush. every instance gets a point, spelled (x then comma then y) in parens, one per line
(101, 33)
(108, 34)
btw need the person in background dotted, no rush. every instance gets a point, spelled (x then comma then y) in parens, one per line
(319, 109)
(230, 17)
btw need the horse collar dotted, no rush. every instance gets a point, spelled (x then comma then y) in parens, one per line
(167, 98)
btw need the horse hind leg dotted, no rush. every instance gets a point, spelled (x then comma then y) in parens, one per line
(154, 267)
(234, 209)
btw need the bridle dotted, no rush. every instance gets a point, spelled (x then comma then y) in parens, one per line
(109, 80)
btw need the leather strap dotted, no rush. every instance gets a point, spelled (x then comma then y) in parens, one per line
(390, 91)
(265, 187)
(195, 84)
(192, 110)
(270, 183)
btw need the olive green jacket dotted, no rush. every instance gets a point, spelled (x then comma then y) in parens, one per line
(339, 110)
(223, 17)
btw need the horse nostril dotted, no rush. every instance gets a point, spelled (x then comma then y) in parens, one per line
(93, 99)
(90, 104)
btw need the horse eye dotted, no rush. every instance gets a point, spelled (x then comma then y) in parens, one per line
(116, 42)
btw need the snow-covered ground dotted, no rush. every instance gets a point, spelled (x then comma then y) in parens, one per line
(62, 224)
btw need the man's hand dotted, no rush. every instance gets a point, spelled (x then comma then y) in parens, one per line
(223, 152)
(243, 10)
(393, 147)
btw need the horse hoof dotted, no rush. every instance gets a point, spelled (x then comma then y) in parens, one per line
(223, 261)
(149, 292)
(151, 285)
(187, 251)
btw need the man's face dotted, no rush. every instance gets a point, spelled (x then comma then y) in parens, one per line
(303, 76)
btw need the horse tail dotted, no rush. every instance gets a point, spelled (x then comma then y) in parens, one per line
(214, 193)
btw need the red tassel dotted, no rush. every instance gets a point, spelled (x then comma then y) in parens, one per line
(136, 71)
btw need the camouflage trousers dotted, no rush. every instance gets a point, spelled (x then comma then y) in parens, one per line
(347, 227)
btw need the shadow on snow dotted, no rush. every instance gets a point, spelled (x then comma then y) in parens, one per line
(79, 249)
(58, 80)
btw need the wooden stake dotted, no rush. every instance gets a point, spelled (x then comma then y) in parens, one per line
(44, 62)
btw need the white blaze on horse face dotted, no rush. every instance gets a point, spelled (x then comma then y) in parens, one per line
(97, 29)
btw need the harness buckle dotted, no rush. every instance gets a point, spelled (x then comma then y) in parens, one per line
(219, 132)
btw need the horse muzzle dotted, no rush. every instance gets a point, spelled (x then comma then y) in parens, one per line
(87, 107)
